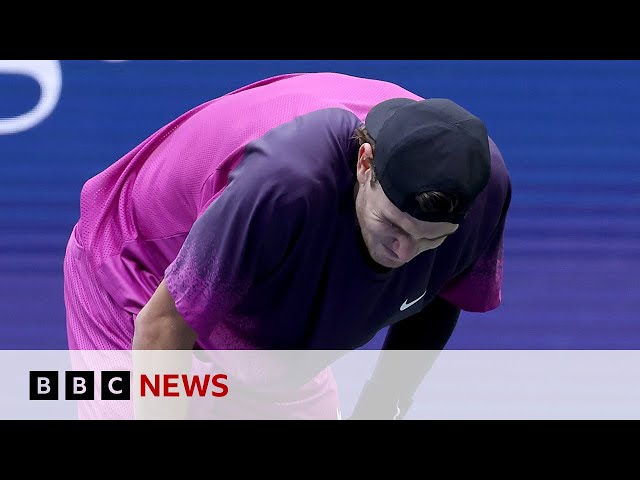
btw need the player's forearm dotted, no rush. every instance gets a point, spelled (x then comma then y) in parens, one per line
(154, 342)
(159, 328)
(412, 346)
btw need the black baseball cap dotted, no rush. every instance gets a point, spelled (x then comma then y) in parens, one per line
(429, 145)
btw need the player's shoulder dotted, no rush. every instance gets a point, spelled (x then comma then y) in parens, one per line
(308, 147)
(306, 160)
(497, 159)
(314, 126)
(500, 179)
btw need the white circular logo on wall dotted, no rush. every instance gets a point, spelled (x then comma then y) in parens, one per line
(48, 74)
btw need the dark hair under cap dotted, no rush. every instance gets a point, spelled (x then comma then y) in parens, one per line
(429, 145)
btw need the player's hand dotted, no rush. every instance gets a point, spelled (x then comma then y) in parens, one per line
(376, 403)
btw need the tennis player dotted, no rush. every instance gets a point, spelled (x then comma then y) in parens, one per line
(306, 211)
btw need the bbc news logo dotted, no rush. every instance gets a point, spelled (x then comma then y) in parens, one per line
(116, 385)
(80, 385)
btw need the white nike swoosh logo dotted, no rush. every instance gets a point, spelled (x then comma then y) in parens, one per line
(406, 305)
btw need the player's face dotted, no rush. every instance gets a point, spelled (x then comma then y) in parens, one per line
(393, 237)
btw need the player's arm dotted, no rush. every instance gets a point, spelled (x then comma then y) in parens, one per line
(410, 349)
(159, 325)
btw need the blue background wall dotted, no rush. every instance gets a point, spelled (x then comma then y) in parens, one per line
(569, 132)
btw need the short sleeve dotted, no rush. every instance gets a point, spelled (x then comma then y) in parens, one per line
(241, 236)
(479, 287)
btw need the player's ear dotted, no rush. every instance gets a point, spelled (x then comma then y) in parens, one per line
(365, 155)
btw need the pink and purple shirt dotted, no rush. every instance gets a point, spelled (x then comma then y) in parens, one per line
(244, 206)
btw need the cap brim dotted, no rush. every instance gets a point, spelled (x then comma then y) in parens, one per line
(383, 111)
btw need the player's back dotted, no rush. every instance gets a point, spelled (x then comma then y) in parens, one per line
(157, 190)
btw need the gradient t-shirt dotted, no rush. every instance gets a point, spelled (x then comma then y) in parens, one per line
(244, 205)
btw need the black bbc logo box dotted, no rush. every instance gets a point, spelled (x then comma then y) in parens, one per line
(79, 385)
